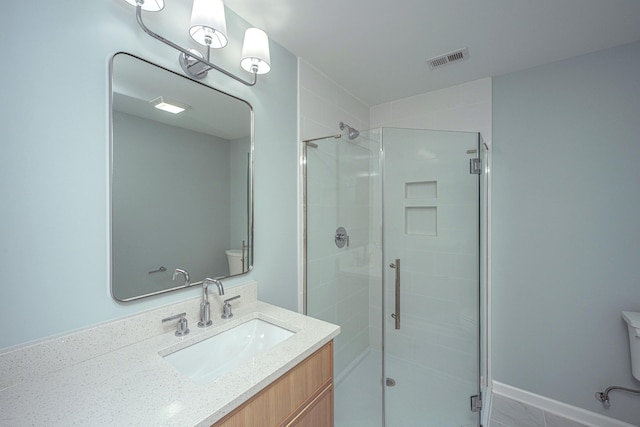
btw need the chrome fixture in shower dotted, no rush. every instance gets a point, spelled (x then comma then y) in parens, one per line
(353, 134)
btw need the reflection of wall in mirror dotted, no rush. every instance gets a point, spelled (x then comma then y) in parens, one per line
(239, 159)
(171, 204)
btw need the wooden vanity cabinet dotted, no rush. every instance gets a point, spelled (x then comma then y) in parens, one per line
(302, 397)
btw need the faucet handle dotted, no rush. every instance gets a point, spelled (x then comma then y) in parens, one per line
(183, 325)
(226, 308)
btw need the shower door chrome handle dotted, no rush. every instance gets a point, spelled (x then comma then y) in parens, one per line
(396, 314)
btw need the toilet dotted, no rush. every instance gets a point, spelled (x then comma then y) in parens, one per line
(633, 322)
(234, 259)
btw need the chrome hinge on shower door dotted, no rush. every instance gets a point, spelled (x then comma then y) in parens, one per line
(475, 166)
(476, 403)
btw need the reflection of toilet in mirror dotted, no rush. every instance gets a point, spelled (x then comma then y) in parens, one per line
(235, 261)
(633, 325)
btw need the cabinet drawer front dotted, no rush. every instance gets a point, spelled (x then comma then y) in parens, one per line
(287, 394)
(318, 413)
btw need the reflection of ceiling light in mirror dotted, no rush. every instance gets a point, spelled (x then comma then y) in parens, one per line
(166, 104)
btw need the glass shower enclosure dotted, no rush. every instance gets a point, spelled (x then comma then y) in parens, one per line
(392, 255)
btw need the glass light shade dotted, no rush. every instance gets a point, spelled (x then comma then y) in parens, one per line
(255, 52)
(148, 5)
(208, 24)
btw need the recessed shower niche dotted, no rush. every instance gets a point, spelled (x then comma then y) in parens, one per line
(421, 190)
(421, 220)
(420, 214)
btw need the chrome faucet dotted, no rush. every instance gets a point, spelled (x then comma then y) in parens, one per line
(205, 308)
(184, 273)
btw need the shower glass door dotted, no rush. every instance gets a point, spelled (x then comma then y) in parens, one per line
(431, 277)
(343, 275)
(388, 195)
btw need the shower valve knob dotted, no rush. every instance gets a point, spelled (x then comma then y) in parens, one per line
(341, 238)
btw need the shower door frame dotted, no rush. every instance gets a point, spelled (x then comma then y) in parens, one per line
(484, 259)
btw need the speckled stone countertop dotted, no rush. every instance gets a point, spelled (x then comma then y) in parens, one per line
(132, 385)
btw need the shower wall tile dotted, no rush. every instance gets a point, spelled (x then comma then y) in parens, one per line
(328, 314)
(358, 243)
(314, 80)
(455, 364)
(346, 354)
(324, 269)
(423, 258)
(351, 326)
(465, 107)
(357, 109)
(457, 265)
(457, 217)
(316, 107)
(380, 114)
(326, 104)
(324, 247)
(417, 105)
(442, 287)
(310, 126)
(340, 184)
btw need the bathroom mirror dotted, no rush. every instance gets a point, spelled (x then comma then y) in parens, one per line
(181, 184)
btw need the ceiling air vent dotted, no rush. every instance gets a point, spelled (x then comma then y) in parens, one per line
(448, 58)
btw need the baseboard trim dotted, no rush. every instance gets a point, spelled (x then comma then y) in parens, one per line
(569, 412)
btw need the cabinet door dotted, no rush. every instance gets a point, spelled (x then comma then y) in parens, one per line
(280, 403)
(319, 413)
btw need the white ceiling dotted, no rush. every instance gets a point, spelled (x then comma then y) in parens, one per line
(377, 49)
(136, 83)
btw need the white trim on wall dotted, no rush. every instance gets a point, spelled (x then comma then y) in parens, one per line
(555, 407)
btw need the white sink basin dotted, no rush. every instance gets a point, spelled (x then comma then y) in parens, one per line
(206, 360)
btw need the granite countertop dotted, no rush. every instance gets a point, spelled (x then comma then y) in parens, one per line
(134, 386)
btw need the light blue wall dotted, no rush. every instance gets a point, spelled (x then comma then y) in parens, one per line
(54, 182)
(566, 227)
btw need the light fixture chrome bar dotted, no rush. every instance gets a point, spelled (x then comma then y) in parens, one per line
(190, 54)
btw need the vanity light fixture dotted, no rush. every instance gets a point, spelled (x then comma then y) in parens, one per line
(209, 28)
(166, 104)
(150, 5)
